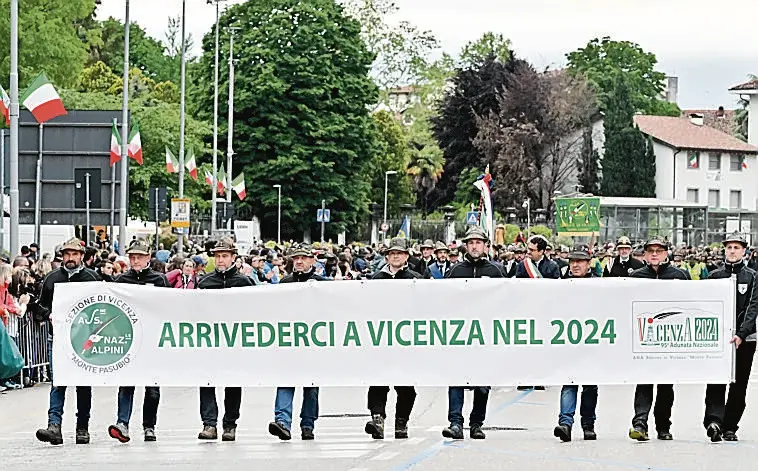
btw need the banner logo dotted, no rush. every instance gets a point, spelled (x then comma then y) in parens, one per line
(666, 327)
(103, 333)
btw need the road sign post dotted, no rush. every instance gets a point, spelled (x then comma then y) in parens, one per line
(472, 218)
(323, 216)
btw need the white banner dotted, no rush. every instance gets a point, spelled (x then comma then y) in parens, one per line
(425, 332)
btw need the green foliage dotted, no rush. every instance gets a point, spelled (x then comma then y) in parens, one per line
(48, 42)
(541, 230)
(426, 161)
(99, 78)
(301, 119)
(603, 61)
(588, 166)
(393, 154)
(490, 44)
(466, 193)
(644, 170)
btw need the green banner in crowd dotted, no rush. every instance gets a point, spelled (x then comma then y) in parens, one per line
(577, 216)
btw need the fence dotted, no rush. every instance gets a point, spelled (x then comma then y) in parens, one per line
(32, 343)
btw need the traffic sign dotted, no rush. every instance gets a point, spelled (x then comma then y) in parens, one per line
(385, 227)
(472, 218)
(180, 212)
(323, 215)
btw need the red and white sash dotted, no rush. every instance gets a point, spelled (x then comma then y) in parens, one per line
(531, 268)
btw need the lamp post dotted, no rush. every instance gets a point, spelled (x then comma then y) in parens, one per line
(214, 183)
(384, 225)
(279, 217)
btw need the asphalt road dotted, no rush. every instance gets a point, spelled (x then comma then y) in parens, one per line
(521, 437)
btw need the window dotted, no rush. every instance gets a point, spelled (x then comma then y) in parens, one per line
(693, 160)
(692, 195)
(714, 161)
(736, 162)
(735, 199)
(714, 198)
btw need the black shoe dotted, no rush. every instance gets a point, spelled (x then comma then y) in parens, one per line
(401, 429)
(375, 428)
(278, 429)
(52, 434)
(730, 436)
(307, 433)
(82, 436)
(209, 433)
(638, 433)
(454, 431)
(563, 432)
(539, 388)
(524, 388)
(589, 433)
(150, 434)
(665, 435)
(230, 434)
(714, 432)
(476, 432)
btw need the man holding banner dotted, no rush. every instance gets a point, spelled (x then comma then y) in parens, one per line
(474, 265)
(579, 267)
(72, 270)
(723, 419)
(395, 269)
(658, 267)
(224, 276)
(140, 273)
(302, 271)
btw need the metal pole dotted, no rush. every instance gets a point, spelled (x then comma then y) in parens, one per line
(14, 242)
(230, 123)
(2, 187)
(86, 203)
(124, 138)
(323, 213)
(38, 189)
(180, 238)
(384, 224)
(214, 183)
(528, 218)
(279, 216)
(157, 190)
(112, 234)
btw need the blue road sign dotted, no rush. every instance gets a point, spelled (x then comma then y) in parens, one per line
(323, 215)
(472, 218)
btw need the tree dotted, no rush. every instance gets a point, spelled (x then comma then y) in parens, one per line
(644, 170)
(48, 41)
(625, 165)
(301, 109)
(174, 47)
(601, 61)
(426, 163)
(466, 193)
(475, 53)
(400, 49)
(588, 166)
(393, 154)
(474, 91)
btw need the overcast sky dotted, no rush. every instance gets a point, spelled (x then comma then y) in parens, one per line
(709, 48)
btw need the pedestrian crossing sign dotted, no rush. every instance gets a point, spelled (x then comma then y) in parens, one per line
(472, 218)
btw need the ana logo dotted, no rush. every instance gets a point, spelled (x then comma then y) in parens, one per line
(104, 333)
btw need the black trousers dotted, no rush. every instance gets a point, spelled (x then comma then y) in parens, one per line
(209, 406)
(728, 414)
(643, 402)
(377, 400)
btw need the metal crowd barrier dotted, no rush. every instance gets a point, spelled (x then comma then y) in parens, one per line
(32, 343)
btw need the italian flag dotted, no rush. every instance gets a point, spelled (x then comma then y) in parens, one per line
(208, 178)
(5, 107)
(744, 164)
(692, 160)
(115, 145)
(172, 165)
(42, 100)
(238, 185)
(134, 147)
(190, 164)
(221, 177)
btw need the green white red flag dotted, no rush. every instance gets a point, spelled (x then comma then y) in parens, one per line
(208, 178)
(190, 163)
(5, 106)
(238, 185)
(221, 176)
(42, 100)
(115, 145)
(134, 148)
(172, 165)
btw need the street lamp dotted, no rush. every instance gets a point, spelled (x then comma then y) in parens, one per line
(384, 225)
(279, 217)
(528, 206)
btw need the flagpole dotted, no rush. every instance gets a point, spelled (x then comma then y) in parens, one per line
(180, 238)
(230, 124)
(124, 138)
(112, 234)
(214, 183)
(14, 241)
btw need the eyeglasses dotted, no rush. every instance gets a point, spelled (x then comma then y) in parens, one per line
(656, 251)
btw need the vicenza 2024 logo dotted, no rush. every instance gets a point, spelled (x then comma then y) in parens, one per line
(668, 327)
(104, 333)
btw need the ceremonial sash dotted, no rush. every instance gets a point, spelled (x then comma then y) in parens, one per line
(531, 268)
